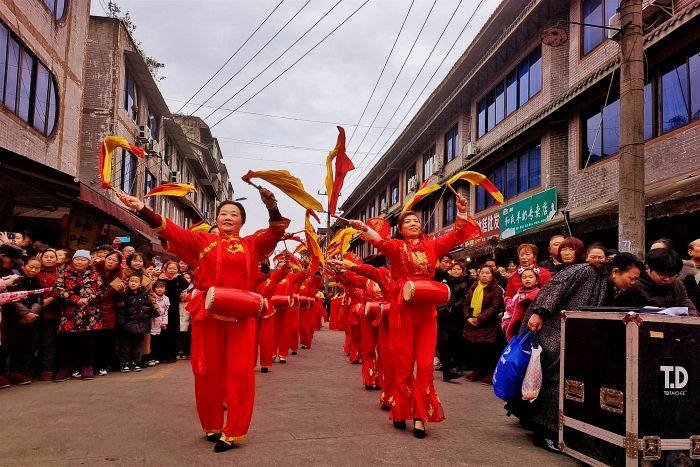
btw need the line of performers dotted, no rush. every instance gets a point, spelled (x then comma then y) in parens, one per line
(227, 315)
(387, 310)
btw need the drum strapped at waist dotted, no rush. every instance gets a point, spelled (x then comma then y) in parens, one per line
(229, 304)
(374, 309)
(281, 301)
(426, 293)
(304, 302)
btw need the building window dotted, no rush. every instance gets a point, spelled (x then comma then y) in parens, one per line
(515, 175)
(128, 172)
(372, 210)
(429, 163)
(428, 219)
(411, 179)
(57, 8)
(450, 210)
(130, 96)
(27, 87)
(394, 192)
(596, 13)
(451, 143)
(382, 201)
(602, 133)
(149, 184)
(519, 86)
(153, 124)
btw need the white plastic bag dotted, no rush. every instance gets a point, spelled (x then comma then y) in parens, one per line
(533, 376)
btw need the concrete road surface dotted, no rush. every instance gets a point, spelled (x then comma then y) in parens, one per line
(312, 411)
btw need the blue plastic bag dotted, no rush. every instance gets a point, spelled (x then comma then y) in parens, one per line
(512, 364)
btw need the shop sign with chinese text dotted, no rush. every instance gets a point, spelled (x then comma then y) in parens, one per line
(490, 227)
(528, 213)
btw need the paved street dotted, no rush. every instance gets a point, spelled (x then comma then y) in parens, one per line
(313, 411)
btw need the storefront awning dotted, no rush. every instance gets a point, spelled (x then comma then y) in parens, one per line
(121, 215)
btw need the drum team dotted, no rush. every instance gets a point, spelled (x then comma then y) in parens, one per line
(243, 311)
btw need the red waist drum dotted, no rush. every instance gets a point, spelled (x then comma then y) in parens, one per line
(281, 301)
(228, 304)
(374, 309)
(426, 293)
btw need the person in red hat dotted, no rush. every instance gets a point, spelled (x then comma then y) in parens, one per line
(223, 351)
(413, 330)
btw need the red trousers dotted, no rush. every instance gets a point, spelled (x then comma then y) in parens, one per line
(305, 326)
(266, 339)
(386, 397)
(229, 377)
(413, 343)
(368, 345)
(293, 323)
(282, 333)
(353, 320)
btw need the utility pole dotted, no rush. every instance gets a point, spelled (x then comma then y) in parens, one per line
(632, 213)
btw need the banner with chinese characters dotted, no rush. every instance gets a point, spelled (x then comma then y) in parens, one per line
(83, 230)
(490, 227)
(528, 213)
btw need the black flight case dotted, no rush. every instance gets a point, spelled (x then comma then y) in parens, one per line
(630, 388)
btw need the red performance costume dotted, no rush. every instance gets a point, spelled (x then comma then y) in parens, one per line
(354, 288)
(223, 351)
(290, 323)
(308, 313)
(266, 333)
(413, 330)
(381, 278)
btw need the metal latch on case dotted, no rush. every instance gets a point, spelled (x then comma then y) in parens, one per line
(651, 448)
(695, 447)
(574, 390)
(612, 400)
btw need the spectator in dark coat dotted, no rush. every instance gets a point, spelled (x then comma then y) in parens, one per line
(691, 281)
(553, 264)
(482, 307)
(113, 277)
(659, 286)
(134, 321)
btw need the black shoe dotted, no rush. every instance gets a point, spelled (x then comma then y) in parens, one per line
(401, 425)
(357, 362)
(264, 370)
(547, 444)
(294, 352)
(222, 446)
(369, 387)
(417, 432)
(283, 360)
(213, 437)
(448, 376)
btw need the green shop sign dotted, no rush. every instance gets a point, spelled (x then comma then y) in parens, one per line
(528, 213)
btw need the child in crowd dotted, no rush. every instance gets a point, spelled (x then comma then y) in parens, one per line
(22, 324)
(517, 306)
(134, 321)
(136, 265)
(158, 323)
(185, 297)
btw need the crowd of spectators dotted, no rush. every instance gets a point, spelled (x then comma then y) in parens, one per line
(490, 304)
(113, 308)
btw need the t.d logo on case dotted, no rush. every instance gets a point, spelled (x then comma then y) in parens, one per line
(673, 379)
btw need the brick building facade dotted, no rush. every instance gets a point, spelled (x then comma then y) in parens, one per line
(533, 117)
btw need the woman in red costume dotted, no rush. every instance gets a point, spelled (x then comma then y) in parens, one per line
(413, 330)
(223, 352)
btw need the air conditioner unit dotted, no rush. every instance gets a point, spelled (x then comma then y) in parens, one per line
(144, 133)
(173, 177)
(152, 147)
(614, 22)
(470, 149)
(438, 166)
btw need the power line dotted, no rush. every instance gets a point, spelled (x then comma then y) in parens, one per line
(262, 159)
(272, 145)
(286, 117)
(293, 64)
(454, 12)
(231, 57)
(381, 73)
(253, 57)
(276, 59)
(403, 65)
(471, 18)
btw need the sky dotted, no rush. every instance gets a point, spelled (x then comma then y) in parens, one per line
(291, 122)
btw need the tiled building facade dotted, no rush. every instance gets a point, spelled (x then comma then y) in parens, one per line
(528, 115)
